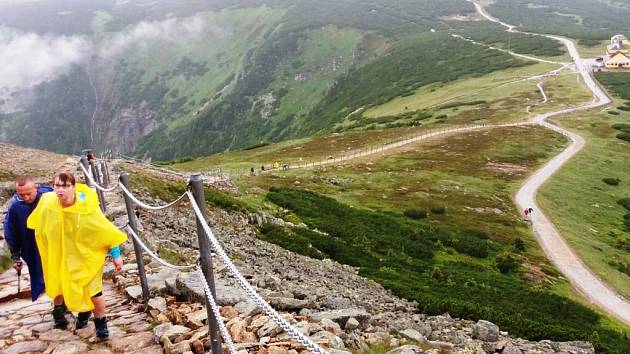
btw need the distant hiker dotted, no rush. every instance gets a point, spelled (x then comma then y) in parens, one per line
(531, 210)
(262, 168)
(73, 237)
(251, 172)
(21, 240)
(525, 211)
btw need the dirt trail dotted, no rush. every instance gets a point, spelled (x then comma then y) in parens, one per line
(555, 246)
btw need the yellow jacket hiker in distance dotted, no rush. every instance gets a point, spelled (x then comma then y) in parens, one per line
(73, 243)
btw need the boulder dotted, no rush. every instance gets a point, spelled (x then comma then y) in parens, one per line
(486, 331)
(157, 303)
(169, 331)
(406, 349)
(351, 324)
(191, 288)
(287, 304)
(328, 340)
(341, 316)
(413, 335)
(247, 308)
(134, 292)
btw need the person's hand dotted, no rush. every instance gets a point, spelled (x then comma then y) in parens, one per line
(118, 263)
(17, 265)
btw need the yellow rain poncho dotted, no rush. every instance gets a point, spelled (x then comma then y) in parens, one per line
(73, 243)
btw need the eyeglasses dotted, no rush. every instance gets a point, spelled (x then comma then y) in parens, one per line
(63, 186)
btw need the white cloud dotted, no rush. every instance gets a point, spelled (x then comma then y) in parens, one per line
(28, 59)
(143, 34)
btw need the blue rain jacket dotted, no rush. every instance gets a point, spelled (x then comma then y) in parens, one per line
(21, 239)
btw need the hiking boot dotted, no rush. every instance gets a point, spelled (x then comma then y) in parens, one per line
(101, 327)
(59, 315)
(82, 319)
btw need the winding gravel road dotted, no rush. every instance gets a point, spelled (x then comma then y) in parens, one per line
(554, 245)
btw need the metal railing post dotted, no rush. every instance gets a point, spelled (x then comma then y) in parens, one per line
(133, 224)
(97, 178)
(205, 258)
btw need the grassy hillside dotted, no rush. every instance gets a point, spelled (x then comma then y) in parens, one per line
(583, 199)
(580, 19)
(433, 222)
(406, 66)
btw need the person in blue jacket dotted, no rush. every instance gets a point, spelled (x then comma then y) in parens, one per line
(20, 239)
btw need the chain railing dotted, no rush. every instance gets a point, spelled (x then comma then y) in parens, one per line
(204, 266)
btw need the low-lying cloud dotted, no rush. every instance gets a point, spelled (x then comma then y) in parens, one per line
(28, 59)
(142, 35)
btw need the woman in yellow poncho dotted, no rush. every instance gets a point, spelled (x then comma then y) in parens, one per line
(73, 237)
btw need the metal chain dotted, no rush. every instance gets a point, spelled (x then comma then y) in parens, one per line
(215, 310)
(150, 207)
(94, 183)
(156, 257)
(260, 302)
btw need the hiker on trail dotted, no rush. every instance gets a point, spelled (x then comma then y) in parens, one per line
(20, 239)
(73, 237)
(531, 210)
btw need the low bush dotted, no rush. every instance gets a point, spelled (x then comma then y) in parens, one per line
(256, 146)
(621, 266)
(506, 263)
(614, 113)
(398, 253)
(620, 126)
(624, 202)
(438, 209)
(519, 245)
(624, 136)
(415, 213)
(611, 181)
(624, 108)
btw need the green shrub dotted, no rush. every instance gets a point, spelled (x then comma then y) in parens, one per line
(624, 108)
(614, 113)
(620, 126)
(415, 213)
(621, 266)
(506, 263)
(438, 209)
(256, 146)
(611, 181)
(519, 245)
(471, 242)
(624, 202)
(224, 200)
(291, 239)
(398, 253)
(624, 136)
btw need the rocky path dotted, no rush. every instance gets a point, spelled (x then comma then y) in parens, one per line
(27, 327)
(555, 246)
